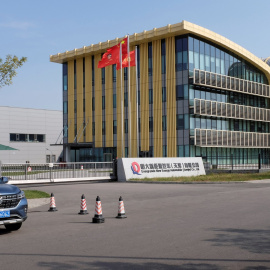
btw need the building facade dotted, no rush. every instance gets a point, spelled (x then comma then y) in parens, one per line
(199, 94)
(29, 135)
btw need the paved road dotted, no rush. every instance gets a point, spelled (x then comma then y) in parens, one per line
(169, 226)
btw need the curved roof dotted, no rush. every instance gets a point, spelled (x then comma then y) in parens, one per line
(170, 30)
(267, 60)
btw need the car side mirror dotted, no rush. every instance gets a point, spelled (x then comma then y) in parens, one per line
(3, 180)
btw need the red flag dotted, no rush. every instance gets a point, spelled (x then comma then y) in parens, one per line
(124, 43)
(112, 55)
(125, 61)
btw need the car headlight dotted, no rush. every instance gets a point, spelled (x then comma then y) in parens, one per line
(21, 195)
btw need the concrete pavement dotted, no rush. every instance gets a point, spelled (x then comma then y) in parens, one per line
(224, 226)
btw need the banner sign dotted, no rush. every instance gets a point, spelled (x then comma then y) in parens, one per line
(130, 168)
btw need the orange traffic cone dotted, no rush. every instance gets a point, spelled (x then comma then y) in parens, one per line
(83, 210)
(98, 218)
(121, 209)
(52, 204)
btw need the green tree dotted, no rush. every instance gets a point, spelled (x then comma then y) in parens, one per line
(8, 69)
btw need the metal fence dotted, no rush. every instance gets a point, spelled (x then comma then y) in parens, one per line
(235, 163)
(31, 171)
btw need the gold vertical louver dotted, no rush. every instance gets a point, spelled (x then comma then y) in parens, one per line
(98, 103)
(157, 98)
(133, 101)
(144, 81)
(171, 97)
(71, 119)
(118, 111)
(80, 122)
(109, 106)
(88, 99)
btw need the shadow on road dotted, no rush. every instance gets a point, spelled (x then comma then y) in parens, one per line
(126, 265)
(255, 241)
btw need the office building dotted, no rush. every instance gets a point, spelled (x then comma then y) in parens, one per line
(29, 135)
(200, 94)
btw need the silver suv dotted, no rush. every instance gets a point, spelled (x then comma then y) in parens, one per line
(13, 206)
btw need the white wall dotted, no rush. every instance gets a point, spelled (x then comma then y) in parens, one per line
(29, 121)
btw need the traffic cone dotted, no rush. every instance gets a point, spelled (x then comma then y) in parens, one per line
(121, 209)
(83, 210)
(98, 218)
(52, 204)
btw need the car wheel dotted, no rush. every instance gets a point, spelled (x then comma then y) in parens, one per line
(13, 227)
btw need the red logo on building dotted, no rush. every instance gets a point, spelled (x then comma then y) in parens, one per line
(135, 167)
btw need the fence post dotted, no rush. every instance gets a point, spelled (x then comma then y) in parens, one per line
(74, 170)
(25, 171)
(95, 169)
(232, 161)
(259, 161)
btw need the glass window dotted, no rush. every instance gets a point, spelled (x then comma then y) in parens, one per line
(114, 73)
(31, 137)
(114, 100)
(150, 124)
(180, 121)
(103, 102)
(103, 75)
(191, 122)
(126, 99)
(163, 56)
(126, 126)
(181, 61)
(186, 150)
(114, 127)
(179, 92)
(213, 59)
(164, 123)
(186, 121)
(180, 150)
(163, 94)
(202, 66)
(191, 62)
(150, 96)
(185, 91)
(197, 122)
(65, 131)
(65, 107)
(40, 138)
(12, 137)
(203, 123)
(103, 127)
(150, 62)
(164, 150)
(196, 45)
(190, 43)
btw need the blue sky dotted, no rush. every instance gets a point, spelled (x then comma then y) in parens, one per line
(37, 29)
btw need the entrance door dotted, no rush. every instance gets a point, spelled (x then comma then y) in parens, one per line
(107, 157)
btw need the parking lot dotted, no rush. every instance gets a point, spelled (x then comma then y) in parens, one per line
(168, 226)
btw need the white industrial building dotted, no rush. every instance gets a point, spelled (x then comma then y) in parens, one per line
(30, 135)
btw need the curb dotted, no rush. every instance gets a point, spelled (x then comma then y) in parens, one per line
(33, 203)
(265, 181)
